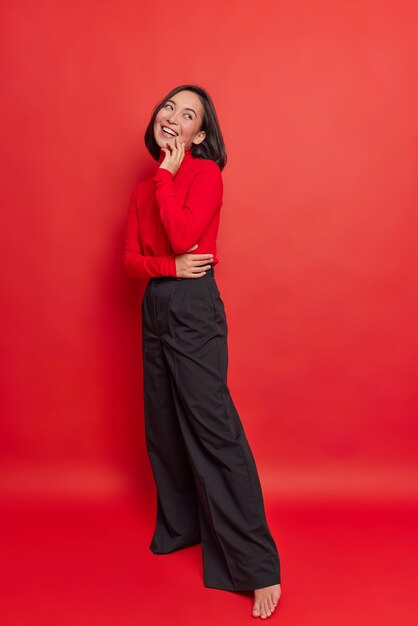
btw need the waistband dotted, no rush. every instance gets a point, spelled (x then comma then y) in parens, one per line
(159, 279)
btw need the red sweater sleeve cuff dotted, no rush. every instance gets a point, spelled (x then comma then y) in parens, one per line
(163, 174)
(172, 265)
(168, 265)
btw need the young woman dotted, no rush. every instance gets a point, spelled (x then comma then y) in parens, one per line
(208, 489)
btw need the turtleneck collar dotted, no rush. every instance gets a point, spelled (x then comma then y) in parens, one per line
(187, 156)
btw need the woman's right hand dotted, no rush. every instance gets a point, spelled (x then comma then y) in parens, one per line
(192, 265)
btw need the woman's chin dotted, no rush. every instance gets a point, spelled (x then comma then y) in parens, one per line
(162, 143)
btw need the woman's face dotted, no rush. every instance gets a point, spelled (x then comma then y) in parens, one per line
(183, 115)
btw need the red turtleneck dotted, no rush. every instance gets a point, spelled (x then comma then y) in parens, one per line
(169, 214)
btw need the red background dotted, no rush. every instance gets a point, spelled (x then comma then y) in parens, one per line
(318, 239)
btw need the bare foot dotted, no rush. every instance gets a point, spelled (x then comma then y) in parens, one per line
(265, 601)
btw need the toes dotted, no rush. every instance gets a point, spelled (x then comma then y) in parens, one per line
(256, 608)
(265, 612)
(265, 607)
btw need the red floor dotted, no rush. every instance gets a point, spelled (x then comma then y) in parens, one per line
(88, 564)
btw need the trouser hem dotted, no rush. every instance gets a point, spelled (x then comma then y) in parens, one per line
(257, 585)
(189, 544)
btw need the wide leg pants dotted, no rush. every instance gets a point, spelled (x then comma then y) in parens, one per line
(208, 489)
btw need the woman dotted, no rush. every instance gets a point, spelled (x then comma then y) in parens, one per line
(208, 489)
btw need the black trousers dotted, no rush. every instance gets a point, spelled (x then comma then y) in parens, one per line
(208, 489)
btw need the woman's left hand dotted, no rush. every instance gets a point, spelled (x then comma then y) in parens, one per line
(172, 161)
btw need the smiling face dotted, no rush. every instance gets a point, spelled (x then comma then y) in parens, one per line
(183, 115)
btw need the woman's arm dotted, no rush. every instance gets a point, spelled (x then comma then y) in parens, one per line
(135, 263)
(186, 224)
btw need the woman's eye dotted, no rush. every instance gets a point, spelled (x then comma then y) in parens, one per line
(171, 106)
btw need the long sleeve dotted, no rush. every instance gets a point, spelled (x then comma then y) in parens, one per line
(186, 224)
(135, 263)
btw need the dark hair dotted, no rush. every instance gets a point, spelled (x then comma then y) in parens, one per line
(212, 147)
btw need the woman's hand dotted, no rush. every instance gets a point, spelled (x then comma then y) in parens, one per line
(172, 161)
(191, 265)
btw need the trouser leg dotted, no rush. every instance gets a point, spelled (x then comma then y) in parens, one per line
(238, 549)
(177, 519)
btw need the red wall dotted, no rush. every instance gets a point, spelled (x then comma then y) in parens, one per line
(317, 245)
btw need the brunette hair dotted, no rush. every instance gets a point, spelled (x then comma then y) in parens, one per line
(212, 147)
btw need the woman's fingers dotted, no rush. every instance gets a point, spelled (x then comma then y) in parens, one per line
(201, 257)
(180, 152)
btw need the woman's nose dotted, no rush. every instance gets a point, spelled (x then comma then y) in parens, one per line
(172, 120)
